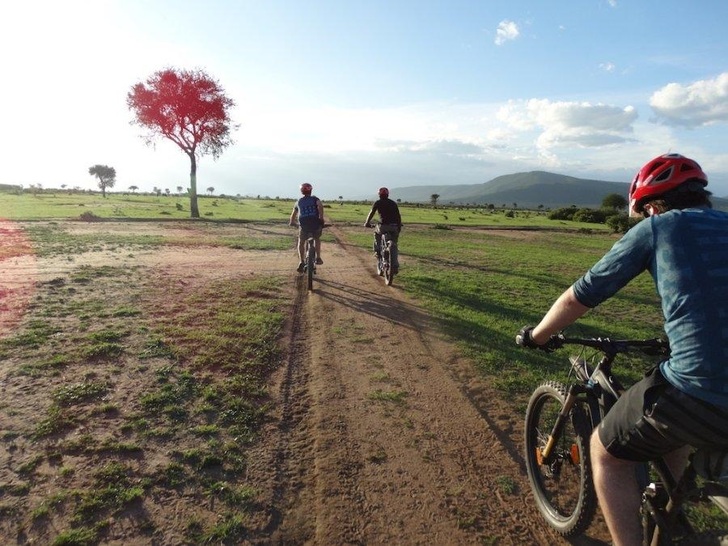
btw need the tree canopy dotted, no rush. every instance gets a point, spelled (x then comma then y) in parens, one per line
(614, 201)
(189, 108)
(106, 176)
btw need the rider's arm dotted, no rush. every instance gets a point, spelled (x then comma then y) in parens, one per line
(565, 310)
(294, 215)
(320, 207)
(369, 216)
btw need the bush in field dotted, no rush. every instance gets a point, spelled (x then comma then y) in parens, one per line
(620, 223)
(566, 213)
(89, 216)
(591, 216)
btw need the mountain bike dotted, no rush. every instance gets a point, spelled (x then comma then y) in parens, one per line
(309, 260)
(386, 257)
(558, 426)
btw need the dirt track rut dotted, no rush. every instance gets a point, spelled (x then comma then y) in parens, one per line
(379, 442)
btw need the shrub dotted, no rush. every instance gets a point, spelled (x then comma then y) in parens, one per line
(566, 213)
(89, 216)
(591, 216)
(621, 223)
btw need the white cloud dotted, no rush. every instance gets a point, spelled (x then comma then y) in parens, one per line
(704, 102)
(607, 67)
(506, 31)
(570, 123)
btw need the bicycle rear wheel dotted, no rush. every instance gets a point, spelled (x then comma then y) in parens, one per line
(562, 486)
(310, 263)
(387, 261)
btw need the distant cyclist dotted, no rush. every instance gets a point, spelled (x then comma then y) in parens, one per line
(390, 221)
(310, 213)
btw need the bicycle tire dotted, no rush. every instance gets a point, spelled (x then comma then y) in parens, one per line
(310, 263)
(387, 260)
(388, 275)
(563, 490)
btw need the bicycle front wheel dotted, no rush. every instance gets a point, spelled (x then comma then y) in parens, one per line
(562, 485)
(310, 263)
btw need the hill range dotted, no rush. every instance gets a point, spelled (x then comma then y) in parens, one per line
(529, 190)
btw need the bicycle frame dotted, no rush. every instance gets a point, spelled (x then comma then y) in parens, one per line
(597, 390)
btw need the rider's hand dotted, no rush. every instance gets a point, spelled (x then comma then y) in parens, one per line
(524, 338)
(368, 224)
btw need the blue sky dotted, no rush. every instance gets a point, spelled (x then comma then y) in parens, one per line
(354, 95)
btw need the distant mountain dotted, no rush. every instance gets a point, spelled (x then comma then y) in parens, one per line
(527, 190)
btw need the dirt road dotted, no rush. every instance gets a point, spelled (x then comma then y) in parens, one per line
(380, 434)
(386, 436)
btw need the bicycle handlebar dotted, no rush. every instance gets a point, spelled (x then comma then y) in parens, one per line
(652, 347)
(375, 224)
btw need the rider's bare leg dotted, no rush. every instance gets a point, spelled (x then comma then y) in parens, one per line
(317, 244)
(301, 249)
(615, 481)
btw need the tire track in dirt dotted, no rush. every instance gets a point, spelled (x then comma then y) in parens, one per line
(391, 450)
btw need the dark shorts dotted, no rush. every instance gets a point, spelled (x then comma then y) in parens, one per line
(304, 232)
(392, 229)
(653, 418)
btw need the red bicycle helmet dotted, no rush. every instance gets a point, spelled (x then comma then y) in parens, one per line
(306, 188)
(661, 175)
(383, 192)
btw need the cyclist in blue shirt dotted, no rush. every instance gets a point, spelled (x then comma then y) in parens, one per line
(683, 402)
(309, 210)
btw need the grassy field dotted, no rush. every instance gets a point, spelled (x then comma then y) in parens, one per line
(71, 206)
(481, 284)
(197, 369)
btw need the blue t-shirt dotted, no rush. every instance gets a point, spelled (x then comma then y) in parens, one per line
(308, 214)
(686, 252)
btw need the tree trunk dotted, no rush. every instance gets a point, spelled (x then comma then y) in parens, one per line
(194, 211)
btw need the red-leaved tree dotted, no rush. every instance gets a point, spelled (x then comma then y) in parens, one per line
(189, 108)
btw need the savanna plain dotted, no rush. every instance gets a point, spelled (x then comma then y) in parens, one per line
(166, 380)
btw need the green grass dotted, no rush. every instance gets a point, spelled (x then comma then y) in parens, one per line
(54, 238)
(64, 205)
(484, 285)
(58, 205)
(202, 358)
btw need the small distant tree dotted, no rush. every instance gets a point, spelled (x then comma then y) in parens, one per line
(433, 199)
(106, 176)
(189, 108)
(210, 190)
(615, 201)
(179, 189)
(133, 188)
